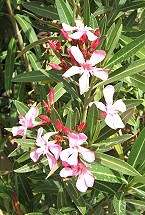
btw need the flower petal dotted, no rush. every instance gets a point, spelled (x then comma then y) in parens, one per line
(89, 178)
(91, 36)
(51, 160)
(16, 130)
(75, 36)
(87, 154)
(114, 121)
(81, 184)
(75, 51)
(84, 83)
(99, 105)
(65, 172)
(55, 149)
(32, 113)
(67, 27)
(65, 154)
(119, 105)
(97, 57)
(108, 94)
(100, 73)
(35, 154)
(72, 71)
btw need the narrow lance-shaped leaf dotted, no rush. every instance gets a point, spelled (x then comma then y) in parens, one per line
(127, 51)
(75, 196)
(63, 12)
(125, 71)
(9, 65)
(136, 156)
(113, 39)
(103, 173)
(26, 26)
(119, 203)
(41, 9)
(116, 164)
(86, 12)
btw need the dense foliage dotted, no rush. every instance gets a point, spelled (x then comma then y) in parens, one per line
(72, 108)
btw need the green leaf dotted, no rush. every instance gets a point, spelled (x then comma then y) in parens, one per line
(34, 61)
(113, 39)
(21, 107)
(129, 6)
(103, 173)
(116, 164)
(92, 120)
(93, 22)
(119, 203)
(70, 120)
(132, 103)
(125, 71)
(137, 81)
(102, 10)
(130, 20)
(59, 91)
(63, 12)
(138, 204)
(29, 167)
(54, 116)
(75, 196)
(136, 156)
(33, 44)
(126, 40)
(86, 12)
(127, 51)
(104, 187)
(40, 9)
(9, 65)
(26, 26)
(111, 142)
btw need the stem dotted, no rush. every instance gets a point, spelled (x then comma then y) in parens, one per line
(18, 34)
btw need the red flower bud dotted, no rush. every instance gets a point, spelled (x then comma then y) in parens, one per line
(97, 32)
(59, 125)
(55, 66)
(45, 119)
(51, 96)
(52, 45)
(45, 105)
(94, 44)
(65, 130)
(64, 34)
(80, 128)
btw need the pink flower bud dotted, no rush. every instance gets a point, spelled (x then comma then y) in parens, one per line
(59, 125)
(95, 44)
(55, 66)
(52, 45)
(64, 64)
(66, 130)
(51, 96)
(64, 34)
(83, 38)
(45, 105)
(97, 32)
(45, 119)
(81, 127)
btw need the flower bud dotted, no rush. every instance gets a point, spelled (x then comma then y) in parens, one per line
(80, 128)
(97, 32)
(52, 45)
(65, 130)
(94, 44)
(64, 34)
(45, 119)
(59, 125)
(55, 66)
(45, 105)
(51, 96)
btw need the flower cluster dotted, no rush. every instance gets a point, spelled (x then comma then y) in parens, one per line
(69, 147)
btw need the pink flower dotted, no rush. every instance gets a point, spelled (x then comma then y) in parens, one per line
(27, 121)
(85, 177)
(80, 30)
(86, 68)
(71, 154)
(112, 118)
(45, 147)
